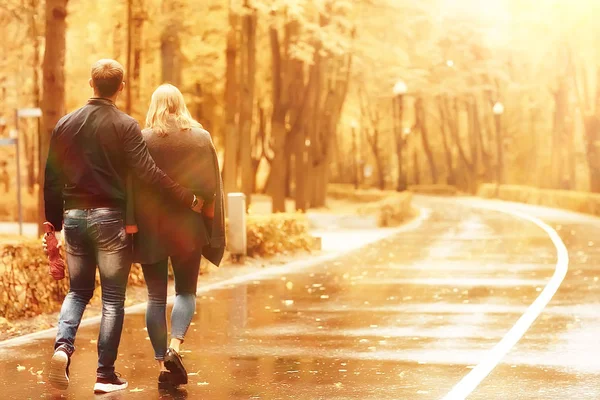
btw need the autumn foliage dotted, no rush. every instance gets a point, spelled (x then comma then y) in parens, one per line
(277, 233)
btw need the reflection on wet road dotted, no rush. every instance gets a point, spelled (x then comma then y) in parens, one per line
(405, 318)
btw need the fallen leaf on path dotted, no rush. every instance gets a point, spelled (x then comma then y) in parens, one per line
(20, 368)
(136, 390)
(202, 383)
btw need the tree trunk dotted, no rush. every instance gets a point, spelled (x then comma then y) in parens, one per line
(170, 48)
(230, 164)
(280, 78)
(248, 66)
(299, 115)
(499, 151)
(29, 147)
(416, 171)
(422, 124)
(289, 172)
(34, 37)
(135, 25)
(374, 142)
(571, 154)
(533, 173)
(259, 145)
(559, 147)
(278, 132)
(334, 102)
(398, 105)
(120, 43)
(300, 170)
(475, 135)
(487, 122)
(592, 141)
(452, 114)
(53, 100)
(279, 164)
(314, 128)
(302, 115)
(445, 123)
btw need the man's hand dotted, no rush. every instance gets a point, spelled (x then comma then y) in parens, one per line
(59, 239)
(198, 207)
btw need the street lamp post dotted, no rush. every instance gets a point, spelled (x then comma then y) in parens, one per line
(413, 148)
(400, 90)
(498, 110)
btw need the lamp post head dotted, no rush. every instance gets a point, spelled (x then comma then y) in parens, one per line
(450, 63)
(498, 108)
(353, 124)
(407, 131)
(400, 88)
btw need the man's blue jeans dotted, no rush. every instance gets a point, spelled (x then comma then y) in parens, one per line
(95, 237)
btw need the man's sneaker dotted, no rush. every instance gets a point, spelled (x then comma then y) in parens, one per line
(108, 385)
(59, 370)
(175, 366)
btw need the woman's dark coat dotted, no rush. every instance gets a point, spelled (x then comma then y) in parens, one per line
(165, 227)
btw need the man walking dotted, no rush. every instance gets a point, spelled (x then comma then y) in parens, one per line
(92, 151)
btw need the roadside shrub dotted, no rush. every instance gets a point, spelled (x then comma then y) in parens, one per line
(27, 290)
(392, 210)
(25, 286)
(277, 233)
(437, 190)
(348, 192)
(583, 202)
(390, 207)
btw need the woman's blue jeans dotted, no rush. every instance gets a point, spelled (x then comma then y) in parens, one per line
(185, 269)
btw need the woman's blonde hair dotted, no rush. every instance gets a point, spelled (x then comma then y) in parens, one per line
(168, 111)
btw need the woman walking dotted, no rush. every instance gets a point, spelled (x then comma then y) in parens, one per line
(184, 150)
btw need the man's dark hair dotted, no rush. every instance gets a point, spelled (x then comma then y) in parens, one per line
(107, 76)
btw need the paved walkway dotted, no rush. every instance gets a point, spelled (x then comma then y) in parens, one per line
(411, 316)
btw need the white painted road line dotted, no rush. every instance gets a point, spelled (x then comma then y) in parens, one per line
(471, 381)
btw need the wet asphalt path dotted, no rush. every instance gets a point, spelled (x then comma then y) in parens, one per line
(405, 318)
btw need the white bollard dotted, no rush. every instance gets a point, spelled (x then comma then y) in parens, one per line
(236, 232)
